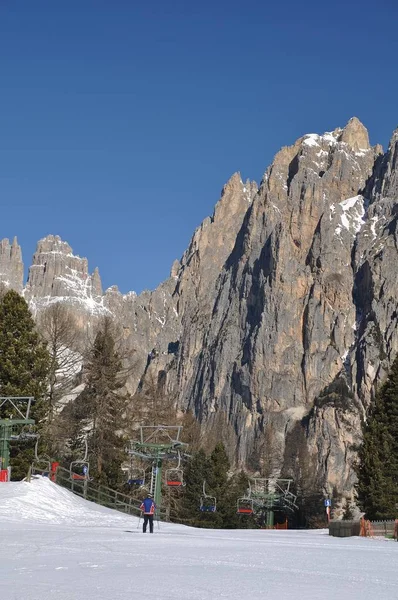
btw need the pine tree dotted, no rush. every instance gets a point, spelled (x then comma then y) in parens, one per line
(377, 469)
(24, 361)
(102, 406)
(24, 367)
(195, 474)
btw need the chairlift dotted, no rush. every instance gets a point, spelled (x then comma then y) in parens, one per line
(41, 463)
(207, 503)
(244, 506)
(79, 470)
(175, 476)
(136, 476)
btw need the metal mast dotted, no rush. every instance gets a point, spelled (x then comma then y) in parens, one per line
(156, 444)
(9, 427)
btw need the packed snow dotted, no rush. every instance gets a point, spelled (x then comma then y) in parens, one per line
(58, 546)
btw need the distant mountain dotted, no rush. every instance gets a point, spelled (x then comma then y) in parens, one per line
(281, 316)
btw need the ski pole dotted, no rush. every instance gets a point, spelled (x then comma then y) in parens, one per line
(139, 521)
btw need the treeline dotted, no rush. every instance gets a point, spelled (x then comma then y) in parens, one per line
(377, 468)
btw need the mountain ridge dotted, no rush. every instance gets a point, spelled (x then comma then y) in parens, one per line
(280, 318)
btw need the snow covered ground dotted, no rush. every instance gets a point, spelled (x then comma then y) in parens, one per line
(56, 546)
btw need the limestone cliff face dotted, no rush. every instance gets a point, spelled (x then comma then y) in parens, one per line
(11, 265)
(281, 316)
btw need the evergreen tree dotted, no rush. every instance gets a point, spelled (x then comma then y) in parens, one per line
(195, 474)
(217, 479)
(101, 407)
(24, 361)
(377, 469)
(225, 488)
(24, 367)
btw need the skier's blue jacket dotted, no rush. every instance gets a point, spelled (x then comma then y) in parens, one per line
(148, 506)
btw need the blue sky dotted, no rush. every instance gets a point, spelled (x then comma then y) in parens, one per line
(121, 121)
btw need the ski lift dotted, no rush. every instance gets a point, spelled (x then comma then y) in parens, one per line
(41, 463)
(207, 503)
(244, 506)
(136, 476)
(175, 476)
(80, 469)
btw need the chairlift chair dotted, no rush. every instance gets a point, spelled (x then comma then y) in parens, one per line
(80, 469)
(136, 477)
(175, 476)
(244, 506)
(207, 503)
(41, 463)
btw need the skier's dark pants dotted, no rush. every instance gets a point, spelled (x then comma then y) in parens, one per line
(146, 519)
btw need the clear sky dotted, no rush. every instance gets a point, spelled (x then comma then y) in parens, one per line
(120, 120)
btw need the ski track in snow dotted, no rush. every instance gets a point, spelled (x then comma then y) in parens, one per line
(57, 546)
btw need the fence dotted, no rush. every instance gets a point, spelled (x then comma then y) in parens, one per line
(364, 528)
(379, 528)
(100, 494)
(344, 528)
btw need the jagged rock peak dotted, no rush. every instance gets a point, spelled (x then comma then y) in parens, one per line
(355, 135)
(176, 266)
(56, 273)
(12, 250)
(11, 265)
(236, 185)
(54, 244)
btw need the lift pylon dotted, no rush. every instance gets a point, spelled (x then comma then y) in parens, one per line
(10, 427)
(266, 496)
(157, 444)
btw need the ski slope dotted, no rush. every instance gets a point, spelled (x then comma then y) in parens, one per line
(56, 546)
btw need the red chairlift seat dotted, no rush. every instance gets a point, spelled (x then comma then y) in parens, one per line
(245, 511)
(244, 506)
(173, 483)
(174, 478)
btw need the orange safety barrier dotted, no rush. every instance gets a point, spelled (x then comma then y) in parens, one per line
(366, 529)
(281, 525)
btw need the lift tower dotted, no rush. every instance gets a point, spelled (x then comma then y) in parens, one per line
(10, 426)
(157, 444)
(266, 496)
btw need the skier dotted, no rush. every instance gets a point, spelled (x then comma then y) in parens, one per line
(148, 507)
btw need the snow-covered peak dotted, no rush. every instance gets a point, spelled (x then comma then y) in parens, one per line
(53, 244)
(329, 138)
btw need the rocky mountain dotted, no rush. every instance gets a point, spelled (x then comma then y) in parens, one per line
(279, 320)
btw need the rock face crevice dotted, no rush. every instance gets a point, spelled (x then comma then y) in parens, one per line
(280, 318)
